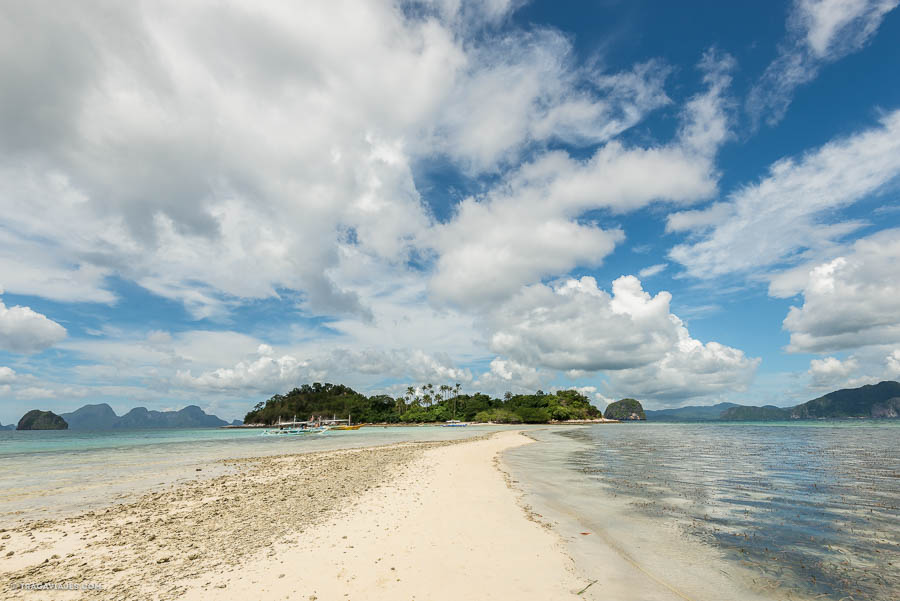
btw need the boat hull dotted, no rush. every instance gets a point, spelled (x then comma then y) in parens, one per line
(294, 432)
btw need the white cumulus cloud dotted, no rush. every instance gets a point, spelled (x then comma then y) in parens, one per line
(23, 330)
(629, 335)
(505, 375)
(830, 371)
(852, 301)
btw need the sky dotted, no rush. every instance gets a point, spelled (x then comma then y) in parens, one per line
(213, 202)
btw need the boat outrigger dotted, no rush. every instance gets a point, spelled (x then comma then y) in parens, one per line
(314, 425)
(341, 424)
(295, 427)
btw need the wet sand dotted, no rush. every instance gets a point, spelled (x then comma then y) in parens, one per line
(415, 520)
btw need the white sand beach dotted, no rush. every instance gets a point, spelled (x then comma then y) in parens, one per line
(408, 521)
(447, 527)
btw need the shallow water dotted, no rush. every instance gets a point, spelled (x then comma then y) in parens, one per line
(792, 510)
(52, 473)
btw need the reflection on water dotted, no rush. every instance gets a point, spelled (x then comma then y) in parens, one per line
(813, 508)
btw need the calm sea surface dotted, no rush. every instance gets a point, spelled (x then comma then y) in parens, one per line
(804, 510)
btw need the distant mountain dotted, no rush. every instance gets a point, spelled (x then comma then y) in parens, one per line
(880, 400)
(237, 422)
(8, 427)
(102, 417)
(41, 420)
(693, 413)
(873, 400)
(626, 409)
(92, 417)
(765, 413)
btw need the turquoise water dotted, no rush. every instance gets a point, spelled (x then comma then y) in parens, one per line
(793, 510)
(52, 473)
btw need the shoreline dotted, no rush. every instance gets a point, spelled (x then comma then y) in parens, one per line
(439, 512)
(574, 422)
(199, 526)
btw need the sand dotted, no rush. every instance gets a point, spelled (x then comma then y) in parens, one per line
(408, 521)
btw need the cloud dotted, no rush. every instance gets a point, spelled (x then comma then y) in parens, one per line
(851, 301)
(33, 393)
(577, 326)
(892, 363)
(216, 155)
(265, 373)
(819, 32)
(505, 376)
(630, 336)
(689, 369)
(25, 331)
(529, 226)
(500, 247)
(524, 89)
(783, 217)
(866, 365)
(652, 270)
(830, 371)
(7, 375)
(268, 373)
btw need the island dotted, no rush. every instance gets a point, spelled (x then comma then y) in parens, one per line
(689, 413)
(424, 404)
(756, 414)
(625, 410)
(41, 420)
(878, 401)
(102, 417)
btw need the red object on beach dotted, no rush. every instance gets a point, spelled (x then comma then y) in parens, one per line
(585, 533)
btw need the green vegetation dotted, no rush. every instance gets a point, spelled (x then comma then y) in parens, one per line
(427, 403)
(41, 420)
(875, 400)
(626, 409)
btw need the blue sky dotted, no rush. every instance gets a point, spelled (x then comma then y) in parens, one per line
(684, 203)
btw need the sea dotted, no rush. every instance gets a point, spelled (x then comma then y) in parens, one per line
(696, 511)
(775, 510)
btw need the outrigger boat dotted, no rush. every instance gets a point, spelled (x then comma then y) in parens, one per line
(295, 428)
(341, 424)
(454, 423)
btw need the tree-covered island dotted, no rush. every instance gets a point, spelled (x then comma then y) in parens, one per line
(428, 403)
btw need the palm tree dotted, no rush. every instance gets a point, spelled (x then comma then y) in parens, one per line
(456, 399)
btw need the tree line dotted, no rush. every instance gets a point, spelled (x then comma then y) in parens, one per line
(427, 403)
